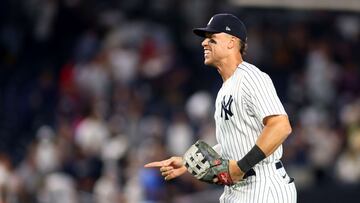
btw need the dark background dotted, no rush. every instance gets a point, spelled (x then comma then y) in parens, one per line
(76, 76)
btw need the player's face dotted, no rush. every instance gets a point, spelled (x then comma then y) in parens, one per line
(215, 48)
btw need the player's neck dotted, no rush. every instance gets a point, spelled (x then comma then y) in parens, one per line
(227, 68)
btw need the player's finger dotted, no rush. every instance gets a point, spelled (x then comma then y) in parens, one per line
(166, 173)
(170, 176)
(154, 164)
(166, 168)
(166, 162)
(175, 173)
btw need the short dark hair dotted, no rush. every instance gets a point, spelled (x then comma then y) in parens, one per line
(243, 47)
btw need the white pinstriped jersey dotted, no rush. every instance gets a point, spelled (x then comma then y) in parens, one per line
(242, 103)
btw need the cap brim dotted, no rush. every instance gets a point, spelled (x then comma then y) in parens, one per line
(202, 31)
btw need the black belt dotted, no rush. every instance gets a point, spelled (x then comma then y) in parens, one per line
(251, 172)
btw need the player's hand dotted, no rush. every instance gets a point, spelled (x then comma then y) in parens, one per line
(235, 172)
(169, 168)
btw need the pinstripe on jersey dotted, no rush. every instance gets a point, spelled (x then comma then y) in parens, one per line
(243, 101)
(253, 98)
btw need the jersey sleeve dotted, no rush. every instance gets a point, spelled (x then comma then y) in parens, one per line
(264, 100)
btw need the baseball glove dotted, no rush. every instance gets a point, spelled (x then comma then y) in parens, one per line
(203, 162)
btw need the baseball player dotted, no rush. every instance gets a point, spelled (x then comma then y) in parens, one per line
(251, 123)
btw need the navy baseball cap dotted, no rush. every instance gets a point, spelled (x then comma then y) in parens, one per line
(226, 23)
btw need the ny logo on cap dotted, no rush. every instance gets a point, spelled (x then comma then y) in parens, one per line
(227, 28)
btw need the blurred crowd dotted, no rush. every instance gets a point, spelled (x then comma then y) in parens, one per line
(92, 90)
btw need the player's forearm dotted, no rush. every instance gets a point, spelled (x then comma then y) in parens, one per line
(276, 130)
(274, 134)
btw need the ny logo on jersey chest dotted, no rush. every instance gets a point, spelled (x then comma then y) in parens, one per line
(226, 107)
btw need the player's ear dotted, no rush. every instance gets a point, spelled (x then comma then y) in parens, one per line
(232, 43)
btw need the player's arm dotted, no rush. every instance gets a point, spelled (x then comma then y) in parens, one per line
(276, 130)
(276, 123)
